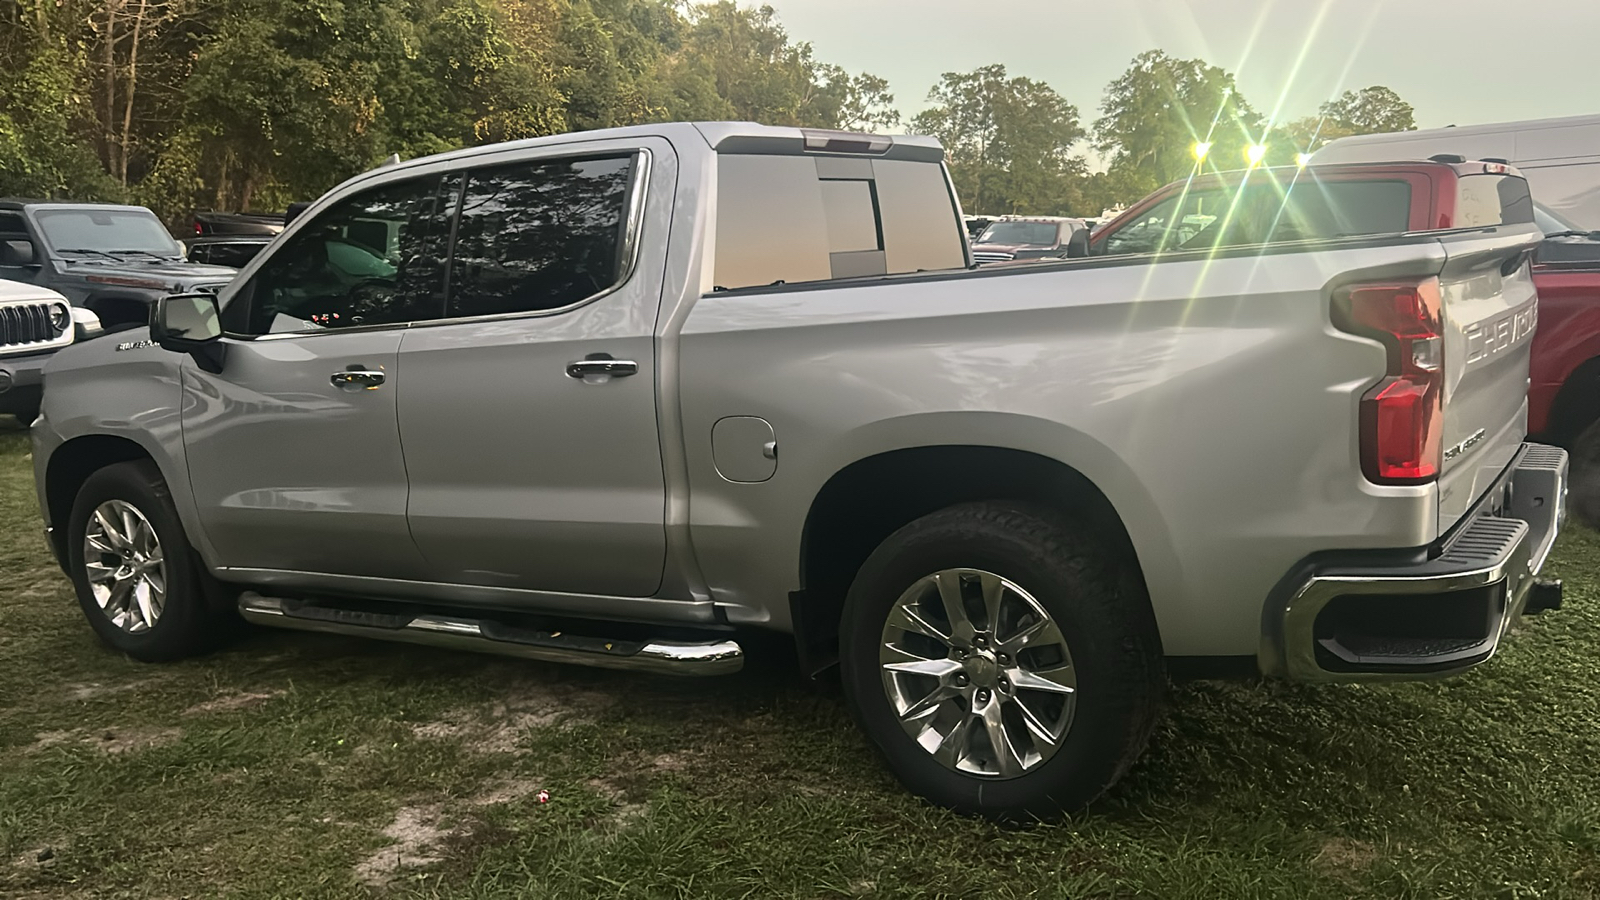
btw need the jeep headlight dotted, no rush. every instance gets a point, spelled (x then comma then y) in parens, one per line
(59, 317)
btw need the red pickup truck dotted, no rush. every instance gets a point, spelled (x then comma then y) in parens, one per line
(1267, 205)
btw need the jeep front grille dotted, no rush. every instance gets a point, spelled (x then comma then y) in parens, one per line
(26, 326)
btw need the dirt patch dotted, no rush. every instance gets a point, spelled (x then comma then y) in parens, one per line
(232, 702)
(110, 740)
(508, 791)
(89, 690)
(416, 837)
(1339, 855)
(495, 727)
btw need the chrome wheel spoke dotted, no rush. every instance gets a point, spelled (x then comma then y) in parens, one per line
(994, 590)
(935, 668)
(927, 704)
(1059, 680)
(1041, 733)
(955, 607)
(1006, 757)
(1040, 632)
(910, 620)
(952, 748)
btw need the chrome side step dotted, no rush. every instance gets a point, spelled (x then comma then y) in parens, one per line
(491, 636)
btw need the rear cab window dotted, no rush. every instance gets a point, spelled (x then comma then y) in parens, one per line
(788, 219)
(1483, 201)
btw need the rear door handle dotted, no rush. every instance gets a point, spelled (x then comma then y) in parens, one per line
(601, 364)
(357, 378)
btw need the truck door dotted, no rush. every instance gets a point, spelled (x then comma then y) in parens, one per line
(529, 411)
(294, 447)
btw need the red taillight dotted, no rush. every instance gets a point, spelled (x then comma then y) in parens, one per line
(1401, 420)
(197, 228)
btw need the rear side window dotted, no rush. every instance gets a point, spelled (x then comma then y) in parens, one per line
(538, 236)
(1484, 201)
(790, 219)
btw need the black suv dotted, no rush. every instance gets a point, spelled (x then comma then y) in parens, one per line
(112, 260)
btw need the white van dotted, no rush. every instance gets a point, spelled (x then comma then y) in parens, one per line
(1560, 157)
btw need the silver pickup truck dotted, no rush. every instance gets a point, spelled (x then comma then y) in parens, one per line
(616, 398)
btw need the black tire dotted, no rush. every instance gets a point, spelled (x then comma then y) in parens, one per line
(190, 622)
(1102, 610)
(1583, 480)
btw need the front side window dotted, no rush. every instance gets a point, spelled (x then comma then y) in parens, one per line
(91, 231)
(538, 236)
(1168, 225)
(375, 258)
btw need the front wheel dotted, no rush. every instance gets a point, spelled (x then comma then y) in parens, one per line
(136, 577)
(1004, 661)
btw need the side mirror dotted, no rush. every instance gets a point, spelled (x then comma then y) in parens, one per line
(17, 253)
(189, 323)
(1078, 244)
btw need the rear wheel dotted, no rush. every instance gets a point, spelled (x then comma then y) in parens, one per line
(1583, 482)
(136, 577)
(1004, 661)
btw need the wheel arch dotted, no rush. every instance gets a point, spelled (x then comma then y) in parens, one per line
(70, 465)
(872, 496)
(1576, 405)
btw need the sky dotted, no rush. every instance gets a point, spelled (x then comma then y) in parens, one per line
(1459, 62)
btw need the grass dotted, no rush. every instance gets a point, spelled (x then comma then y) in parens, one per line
(296, 765)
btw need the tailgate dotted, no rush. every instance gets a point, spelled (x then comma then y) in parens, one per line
(1489, 310)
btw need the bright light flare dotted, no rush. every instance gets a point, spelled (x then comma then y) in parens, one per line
(1302, 159)
(1256, 153)
(1201, 149)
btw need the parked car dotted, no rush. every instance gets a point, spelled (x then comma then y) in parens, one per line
(1564, 383)
(232, 250)
(686, 379)
(1559, 157)
(976, 224)
(110, 260)
(1031, 237)
(1277, 205)
(233, 223)
(35, 322)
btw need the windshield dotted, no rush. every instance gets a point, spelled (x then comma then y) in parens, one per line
(106, 231)
(1550, 222)
(1040, 233)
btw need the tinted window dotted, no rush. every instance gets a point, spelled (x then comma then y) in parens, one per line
(376, 258)
(11, 223)
(1488, 200)
(538, 236)
(1551, 222)
(813, 218)
(225, 254)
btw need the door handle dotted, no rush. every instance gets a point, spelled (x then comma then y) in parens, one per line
(357, 378)
(601, 364)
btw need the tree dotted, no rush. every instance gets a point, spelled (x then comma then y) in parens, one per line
(1373, 110)
(1155, 114)
(1008, 141)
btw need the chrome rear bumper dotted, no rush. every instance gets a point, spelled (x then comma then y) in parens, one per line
(1356, 621)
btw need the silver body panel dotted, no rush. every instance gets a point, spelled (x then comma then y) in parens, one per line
(1212, 401)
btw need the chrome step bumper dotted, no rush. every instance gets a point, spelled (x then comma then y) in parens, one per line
(1378, 621)
(483, 635)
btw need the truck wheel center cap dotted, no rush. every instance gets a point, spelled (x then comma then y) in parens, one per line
(981, 668)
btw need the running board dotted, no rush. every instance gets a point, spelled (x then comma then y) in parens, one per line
(491, 636)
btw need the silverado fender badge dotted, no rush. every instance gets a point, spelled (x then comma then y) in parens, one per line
(135, 345)
(1464, 446)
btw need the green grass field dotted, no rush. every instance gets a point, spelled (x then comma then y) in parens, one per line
(296, 765)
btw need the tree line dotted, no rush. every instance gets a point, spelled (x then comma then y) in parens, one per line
(253, 104)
